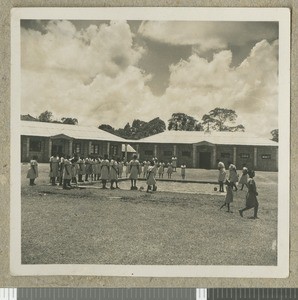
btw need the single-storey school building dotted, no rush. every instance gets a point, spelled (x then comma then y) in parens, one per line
(198, 149)
(43, 139)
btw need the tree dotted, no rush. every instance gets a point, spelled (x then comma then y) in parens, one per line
(218, 118)
(181, 121)
(107, 128)
(72, 121)
(46, 116)
(154, 126)
(28, 118)
(274, 133)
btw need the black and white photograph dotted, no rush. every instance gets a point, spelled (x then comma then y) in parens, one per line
(150, 142)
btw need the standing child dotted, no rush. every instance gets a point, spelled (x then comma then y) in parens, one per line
(183, 171)
(105, 171)
(126, 168)
(32, 173)
(243, 178)
(82, 168)
(151, 177)
(114, 173)
(221, 176)
(74, 170)
(229, 196)
(134, 170)
(120, 167)
(145, 169)
(161, 169)
(54, 168)
(170, 170)
(174, 162)
(251, 196)
(67, 173)
(61, 169)
(233, 176)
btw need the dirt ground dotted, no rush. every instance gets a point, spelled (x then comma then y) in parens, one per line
(180, 224)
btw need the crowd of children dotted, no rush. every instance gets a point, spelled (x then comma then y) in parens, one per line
(65, 170)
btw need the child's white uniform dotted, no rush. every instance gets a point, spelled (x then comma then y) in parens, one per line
(161, 168)
(229, 195)
(183, 172)
(145, 169)
(170, 168)
(151, 175)
(31, 174)
(244, 176)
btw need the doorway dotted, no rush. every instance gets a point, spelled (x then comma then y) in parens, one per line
(58, 149)
(204, 160)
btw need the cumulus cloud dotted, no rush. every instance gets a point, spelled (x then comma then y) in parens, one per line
(207, 35)
(85, 74)
(93, 75)
(106, 49)
(251, 89)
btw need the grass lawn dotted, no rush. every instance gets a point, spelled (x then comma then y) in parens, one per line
(93, 226)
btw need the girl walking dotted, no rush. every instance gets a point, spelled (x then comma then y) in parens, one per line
(229, 196)
(233, 176)
(221, 176)
(243, 178)
(251, 196)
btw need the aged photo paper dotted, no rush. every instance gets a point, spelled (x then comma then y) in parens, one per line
(150, 142)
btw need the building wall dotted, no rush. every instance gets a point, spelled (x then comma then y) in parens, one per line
(27, 153)
(259, 158)
(67, 147)
(184, 155)
(265, 160)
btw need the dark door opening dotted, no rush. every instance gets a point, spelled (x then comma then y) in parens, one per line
(57, 149)
(205, 160)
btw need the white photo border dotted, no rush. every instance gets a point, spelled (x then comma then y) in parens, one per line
(280, 15)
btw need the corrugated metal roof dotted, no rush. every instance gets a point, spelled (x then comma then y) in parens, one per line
(218, 138)
(74, 131)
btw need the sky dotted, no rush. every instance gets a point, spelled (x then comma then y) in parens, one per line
(112, 72)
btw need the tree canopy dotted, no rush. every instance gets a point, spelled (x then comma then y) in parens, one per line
(46, 116)
(274, 134)
(72, 121)
(219, 118)
(184, 122)
(139, 129)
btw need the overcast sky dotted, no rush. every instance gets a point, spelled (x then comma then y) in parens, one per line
(103, 72)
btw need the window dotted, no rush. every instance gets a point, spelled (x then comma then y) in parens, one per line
(114, 150)
(266, 156)
(148, 152)
(94, 149)
(77, 148)
(244, 155)
(225, 155)
(186, 153)
(167, 153)
(35, 146)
